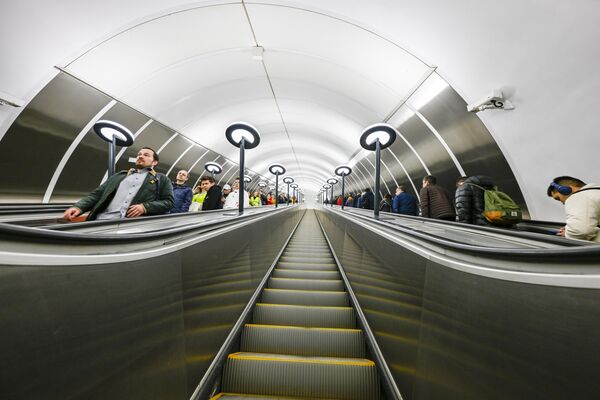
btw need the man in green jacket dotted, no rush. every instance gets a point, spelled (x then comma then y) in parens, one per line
(139, 191)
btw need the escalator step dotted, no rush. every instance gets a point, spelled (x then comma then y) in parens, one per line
(305, 274)
(239, 396)
(321, 259)
(303, 341)
(305, 297)
(285, 375)
(305, 284)
(325, 317)
(307, 265)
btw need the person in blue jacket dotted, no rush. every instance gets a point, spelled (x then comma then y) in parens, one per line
(404, 202)
(182, 193)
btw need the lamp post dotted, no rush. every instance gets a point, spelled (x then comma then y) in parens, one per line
(325, 188)
(276, 169)
(213, 168)
(288, 180)
(244, 136)
(332, 182)
(343, 171)
(115, 134)
(377, 137)
(294, 186)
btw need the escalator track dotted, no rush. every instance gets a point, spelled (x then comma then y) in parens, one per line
(302, 340)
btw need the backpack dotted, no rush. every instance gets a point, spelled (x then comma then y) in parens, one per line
(499, 208)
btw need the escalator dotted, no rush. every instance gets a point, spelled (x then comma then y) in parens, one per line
(302, 340)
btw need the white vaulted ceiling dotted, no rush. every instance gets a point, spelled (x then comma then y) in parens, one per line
(321, 80)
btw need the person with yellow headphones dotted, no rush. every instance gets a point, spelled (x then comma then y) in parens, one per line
(582, 206)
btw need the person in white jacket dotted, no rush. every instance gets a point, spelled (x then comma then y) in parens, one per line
(233, 199)
(582, 206)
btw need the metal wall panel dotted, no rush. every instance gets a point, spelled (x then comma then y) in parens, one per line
(471, 142)
(33, 146)
(87, 165)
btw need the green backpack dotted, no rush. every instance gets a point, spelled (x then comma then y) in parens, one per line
(499, 208)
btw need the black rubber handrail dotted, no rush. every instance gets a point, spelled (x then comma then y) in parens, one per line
(585, 251)
(58, 236)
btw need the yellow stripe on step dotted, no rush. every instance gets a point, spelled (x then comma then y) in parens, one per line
(364, 363)
(302, 327)
(294, 305)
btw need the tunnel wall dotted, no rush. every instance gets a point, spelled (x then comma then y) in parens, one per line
(448, 334)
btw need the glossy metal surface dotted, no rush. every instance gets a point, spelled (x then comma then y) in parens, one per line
(35, 143)
(145, 328)
(451, 334)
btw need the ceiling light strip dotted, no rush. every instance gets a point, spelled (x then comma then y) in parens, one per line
(225, 174)
(441, 140)
(411, 92)
(383, 180)
(197, 161)
(61, 165)
(167, 143)
(179, 159)
(405, 171)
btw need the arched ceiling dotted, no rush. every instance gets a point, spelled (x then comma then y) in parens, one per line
(320, 81)
(329, 69)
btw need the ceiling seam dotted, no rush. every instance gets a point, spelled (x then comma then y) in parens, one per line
(273, 91)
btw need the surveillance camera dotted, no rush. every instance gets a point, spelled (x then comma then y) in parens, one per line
(492, 100)
(8, 100)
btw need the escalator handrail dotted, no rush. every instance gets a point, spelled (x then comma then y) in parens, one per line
(585, 251)
(38, 234)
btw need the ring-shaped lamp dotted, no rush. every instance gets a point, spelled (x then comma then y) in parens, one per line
(384, 132)
(247, 179)
(213, 168)
(271, 187)
(277, 169)
(326, 187)
(294, 185)
(111, 131)
(262, 184)
(343, 170)
(288, 180)
(242, 130)
(332, 181)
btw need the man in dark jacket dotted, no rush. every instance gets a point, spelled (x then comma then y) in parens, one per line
(212, 201)
(139, 191)
(368, 200)
(182, 193)
(404, 202)
(435, 201)
(469, 199)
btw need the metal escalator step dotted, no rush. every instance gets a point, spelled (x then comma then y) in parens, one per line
(325, 317)
(240, 396)
(305, 284)
(307, 265)
(305, 297)
(327, 259)
(302, 247)
(305, 274)
(307, 254)
(284, 375)
(303, 341)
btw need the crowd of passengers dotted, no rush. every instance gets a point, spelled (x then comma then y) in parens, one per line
(143, 191)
